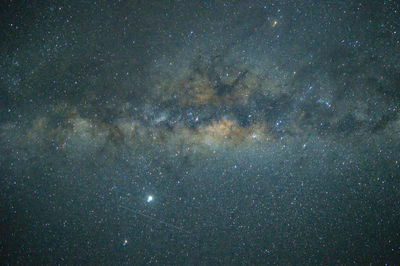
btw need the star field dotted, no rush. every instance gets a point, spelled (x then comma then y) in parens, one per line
(234, 132)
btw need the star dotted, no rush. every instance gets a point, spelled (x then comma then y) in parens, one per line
(149, 198)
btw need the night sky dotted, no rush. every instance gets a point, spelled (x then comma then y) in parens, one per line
(200, 132)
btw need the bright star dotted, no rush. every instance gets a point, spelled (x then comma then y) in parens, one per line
(150, 198)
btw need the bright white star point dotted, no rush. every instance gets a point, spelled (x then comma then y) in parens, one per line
(149, 198)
